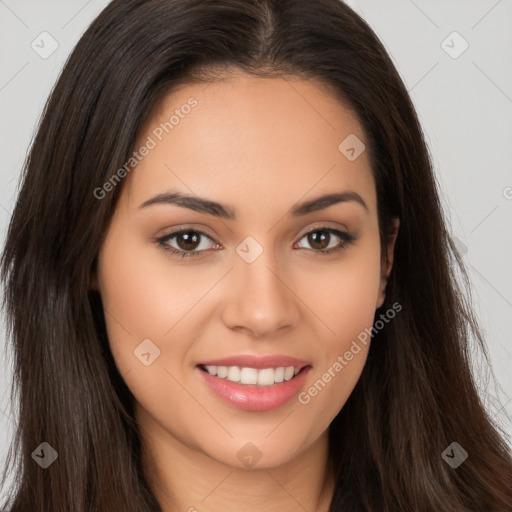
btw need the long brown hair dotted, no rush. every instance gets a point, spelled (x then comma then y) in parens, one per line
(416, 394)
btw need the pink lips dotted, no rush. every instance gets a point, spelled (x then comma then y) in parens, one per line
(251, 397)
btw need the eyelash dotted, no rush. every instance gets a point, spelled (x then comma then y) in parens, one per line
(161, 242)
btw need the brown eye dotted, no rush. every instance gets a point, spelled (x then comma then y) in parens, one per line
(320, 238)
(187, 242)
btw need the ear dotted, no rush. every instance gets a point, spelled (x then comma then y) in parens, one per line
(387, 264)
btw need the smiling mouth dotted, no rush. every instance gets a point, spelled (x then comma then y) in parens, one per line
(253, 376)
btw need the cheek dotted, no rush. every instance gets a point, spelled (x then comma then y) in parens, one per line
(142, 300)
(144, 289)
(346, 293)
(346, 303)
(146, 302)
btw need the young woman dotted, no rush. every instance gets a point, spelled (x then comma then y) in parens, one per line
(229, 282)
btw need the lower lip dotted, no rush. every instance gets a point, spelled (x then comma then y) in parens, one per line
(255, 398)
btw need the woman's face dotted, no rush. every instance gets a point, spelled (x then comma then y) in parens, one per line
(259, 282)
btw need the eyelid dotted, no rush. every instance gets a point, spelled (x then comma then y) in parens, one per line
(346, 237)
(191, 227)
(325, 225)
(198, 228)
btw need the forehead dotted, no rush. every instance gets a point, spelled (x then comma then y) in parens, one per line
(249, 140)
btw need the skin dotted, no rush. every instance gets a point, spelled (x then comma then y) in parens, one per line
(259, 146)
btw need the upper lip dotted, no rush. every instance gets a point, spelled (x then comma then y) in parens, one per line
(258, 362)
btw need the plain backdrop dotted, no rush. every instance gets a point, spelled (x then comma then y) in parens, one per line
(455, 59)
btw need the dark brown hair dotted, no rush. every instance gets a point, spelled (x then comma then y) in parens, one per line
(416, 394)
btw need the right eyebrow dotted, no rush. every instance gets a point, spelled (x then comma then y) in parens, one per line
(209, 207)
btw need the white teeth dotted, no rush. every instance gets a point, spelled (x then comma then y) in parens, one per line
(246, 375)
(288, 373)
(266, 377)
(279, 374)
(234, 374)
(222, 371)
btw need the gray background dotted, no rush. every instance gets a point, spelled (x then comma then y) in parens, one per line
(463, 98)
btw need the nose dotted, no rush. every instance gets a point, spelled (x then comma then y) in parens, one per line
(259, 300)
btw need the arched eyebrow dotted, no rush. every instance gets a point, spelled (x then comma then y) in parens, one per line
(216, 209)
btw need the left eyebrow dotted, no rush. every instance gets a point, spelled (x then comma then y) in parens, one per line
(223, 211)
